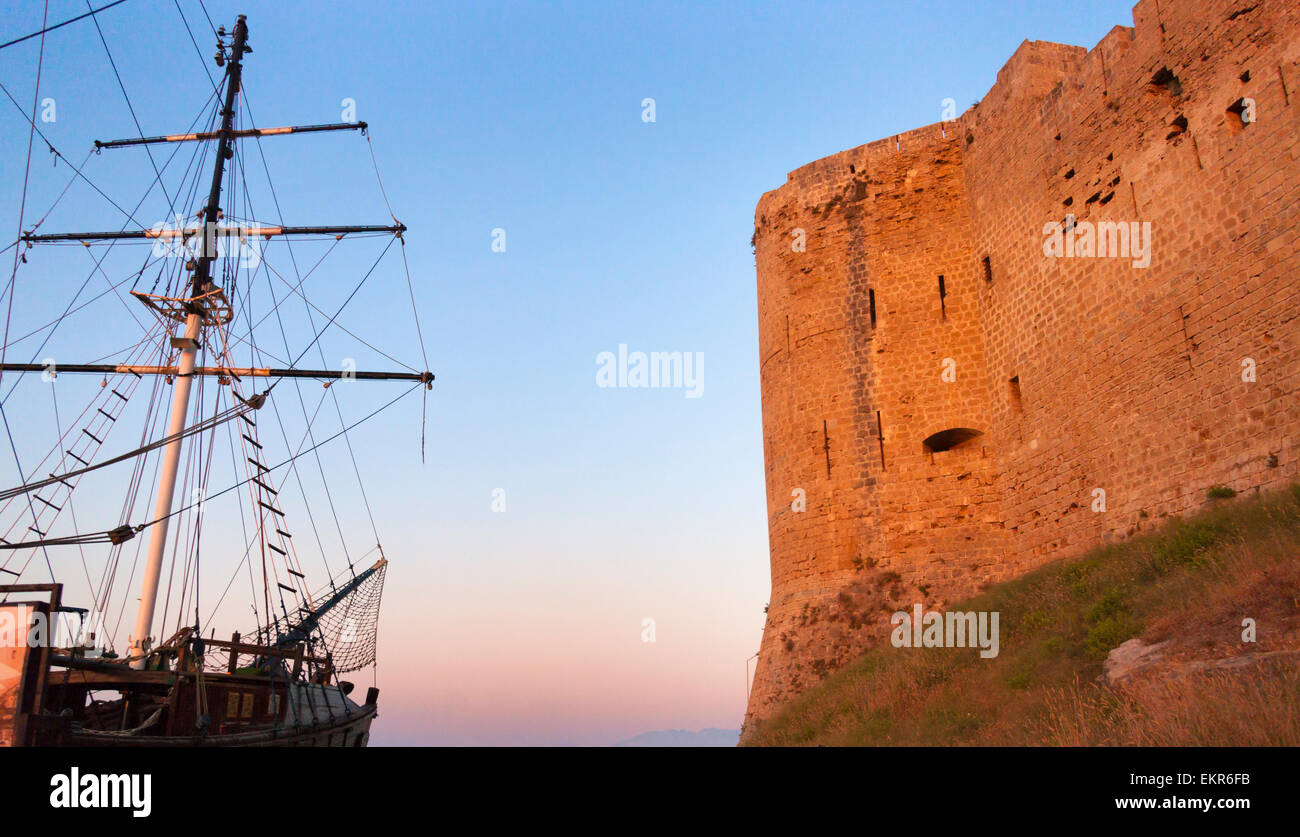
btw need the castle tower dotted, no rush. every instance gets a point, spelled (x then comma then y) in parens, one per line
(875, 400)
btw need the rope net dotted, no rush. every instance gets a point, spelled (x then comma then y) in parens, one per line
(350, 629)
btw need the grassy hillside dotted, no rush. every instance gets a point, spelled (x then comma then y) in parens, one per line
(1191, 583)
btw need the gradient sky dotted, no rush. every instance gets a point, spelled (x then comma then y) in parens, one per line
(522, 626)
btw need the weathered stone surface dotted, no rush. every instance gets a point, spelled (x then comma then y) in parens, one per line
(1080, 373)
(1129, 657)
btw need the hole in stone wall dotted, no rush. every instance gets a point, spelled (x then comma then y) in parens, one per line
(951, 439)
(871, 303)
(1177, 127)
(1107, 199)
(1237, 116)
(1017, 405)
(1069, 174)
(1115, 182)
(1068, 201)
(1165, 80)
(943, 293)
(1245, 76)
(988, 270)
(852, 170)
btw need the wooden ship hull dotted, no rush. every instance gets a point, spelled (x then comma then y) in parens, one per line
(189, 693)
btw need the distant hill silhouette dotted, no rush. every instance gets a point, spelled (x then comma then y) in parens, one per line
(684, 738)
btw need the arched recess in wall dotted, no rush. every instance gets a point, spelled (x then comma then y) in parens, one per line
(953, 438)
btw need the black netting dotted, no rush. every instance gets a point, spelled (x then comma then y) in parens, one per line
(350, 629)
(345, 627)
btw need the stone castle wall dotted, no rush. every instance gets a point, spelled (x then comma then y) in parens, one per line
(922, 443)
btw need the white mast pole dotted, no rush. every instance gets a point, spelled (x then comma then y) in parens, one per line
(141, 641)
(171, 457)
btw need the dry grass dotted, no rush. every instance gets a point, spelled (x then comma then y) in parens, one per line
(1190, 583)
(1253, 709)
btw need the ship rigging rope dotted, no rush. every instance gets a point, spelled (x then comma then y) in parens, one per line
(97, 266)
(90, 13)
(154, 418)
(104, 537)
(86, 454)
(302, 451)
(197, 51)
(286, 546)
(112, 288)
(294, 289)
(257, 351)
(22, 205)
(323, 328)
(72, 512)
(201, 427)
(13, 276)
(78, 169)
(58, 511)
(320, 349)
(261, 532)
(140, 131)
(410, 286)
(53, 326)
(249, 541)
(92, 406)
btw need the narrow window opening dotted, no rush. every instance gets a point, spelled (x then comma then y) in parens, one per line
(871, 302)
(1178, 127)
(943, 293)
(826, 436)
(988, 270)
(1017, 405)
(880, 437)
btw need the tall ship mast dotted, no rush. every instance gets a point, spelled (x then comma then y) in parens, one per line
(279, 682)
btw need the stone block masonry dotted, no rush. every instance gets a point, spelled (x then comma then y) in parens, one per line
(948, 402)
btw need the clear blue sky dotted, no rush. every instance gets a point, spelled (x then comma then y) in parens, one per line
(622, 504)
